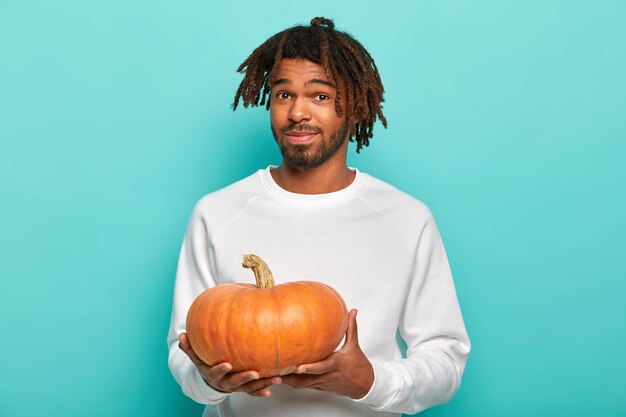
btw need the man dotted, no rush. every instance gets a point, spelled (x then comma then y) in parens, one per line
(314, 218)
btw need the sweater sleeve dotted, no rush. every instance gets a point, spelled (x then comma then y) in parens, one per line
(433, 328)
(192, 277)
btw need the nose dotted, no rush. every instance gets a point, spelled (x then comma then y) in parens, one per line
(299, 111)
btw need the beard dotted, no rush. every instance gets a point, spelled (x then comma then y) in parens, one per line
(315, 154)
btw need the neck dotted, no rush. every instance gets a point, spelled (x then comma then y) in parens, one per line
(319, 180)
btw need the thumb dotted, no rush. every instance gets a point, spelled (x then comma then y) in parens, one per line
(352, 335)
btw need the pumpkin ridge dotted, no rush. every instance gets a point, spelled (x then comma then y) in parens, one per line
(199, 329)
(276, 315)
(318, 292)
(231, 341)
(309, 319)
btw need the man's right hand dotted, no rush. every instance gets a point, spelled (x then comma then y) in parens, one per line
(219, 378)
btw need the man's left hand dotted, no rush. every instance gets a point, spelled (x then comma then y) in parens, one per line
(346, 372)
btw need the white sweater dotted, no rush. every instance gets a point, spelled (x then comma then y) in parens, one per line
(380, 248)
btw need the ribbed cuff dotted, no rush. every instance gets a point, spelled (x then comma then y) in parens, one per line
(383, 390)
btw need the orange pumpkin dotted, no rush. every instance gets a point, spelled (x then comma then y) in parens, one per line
(267, 328)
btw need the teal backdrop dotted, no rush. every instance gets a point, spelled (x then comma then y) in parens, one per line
(507, 118)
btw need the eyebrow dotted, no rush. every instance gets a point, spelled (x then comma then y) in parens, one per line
(310, 82)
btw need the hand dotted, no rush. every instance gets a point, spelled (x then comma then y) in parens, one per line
(346, 372)
(219, 378)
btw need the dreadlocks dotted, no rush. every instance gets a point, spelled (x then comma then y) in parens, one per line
(338, 53)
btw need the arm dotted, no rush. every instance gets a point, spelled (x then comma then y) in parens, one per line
(438, 345)
(432, 325)
(192, 277)
(203, 383)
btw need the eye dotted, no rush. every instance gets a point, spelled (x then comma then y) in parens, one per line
(322, 97)
(282, 95)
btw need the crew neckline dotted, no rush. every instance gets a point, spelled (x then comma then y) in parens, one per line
(344, 194)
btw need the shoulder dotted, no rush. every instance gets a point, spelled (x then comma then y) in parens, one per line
(403, 208)
(226, 202)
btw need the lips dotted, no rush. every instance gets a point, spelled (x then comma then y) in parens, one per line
(299, 137)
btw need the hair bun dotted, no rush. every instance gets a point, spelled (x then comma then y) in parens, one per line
(322, 21)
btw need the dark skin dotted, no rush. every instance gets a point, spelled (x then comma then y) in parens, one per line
(308, 130)
(221, 379)
(303, 98)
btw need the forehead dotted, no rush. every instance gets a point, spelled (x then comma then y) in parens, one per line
(301, 71)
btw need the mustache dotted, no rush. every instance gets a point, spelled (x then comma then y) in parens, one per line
(300, 127)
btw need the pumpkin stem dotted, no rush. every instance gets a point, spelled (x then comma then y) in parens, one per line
(262, 274)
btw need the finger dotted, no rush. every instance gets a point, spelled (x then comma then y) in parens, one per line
(258, 387)
(317, 368)
(238, 379)
(261, 393)
(219, 371)
(352, 336)
(301, 381)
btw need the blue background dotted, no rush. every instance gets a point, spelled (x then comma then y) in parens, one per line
(507, 118)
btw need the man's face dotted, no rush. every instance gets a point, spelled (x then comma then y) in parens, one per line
(302, 114)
